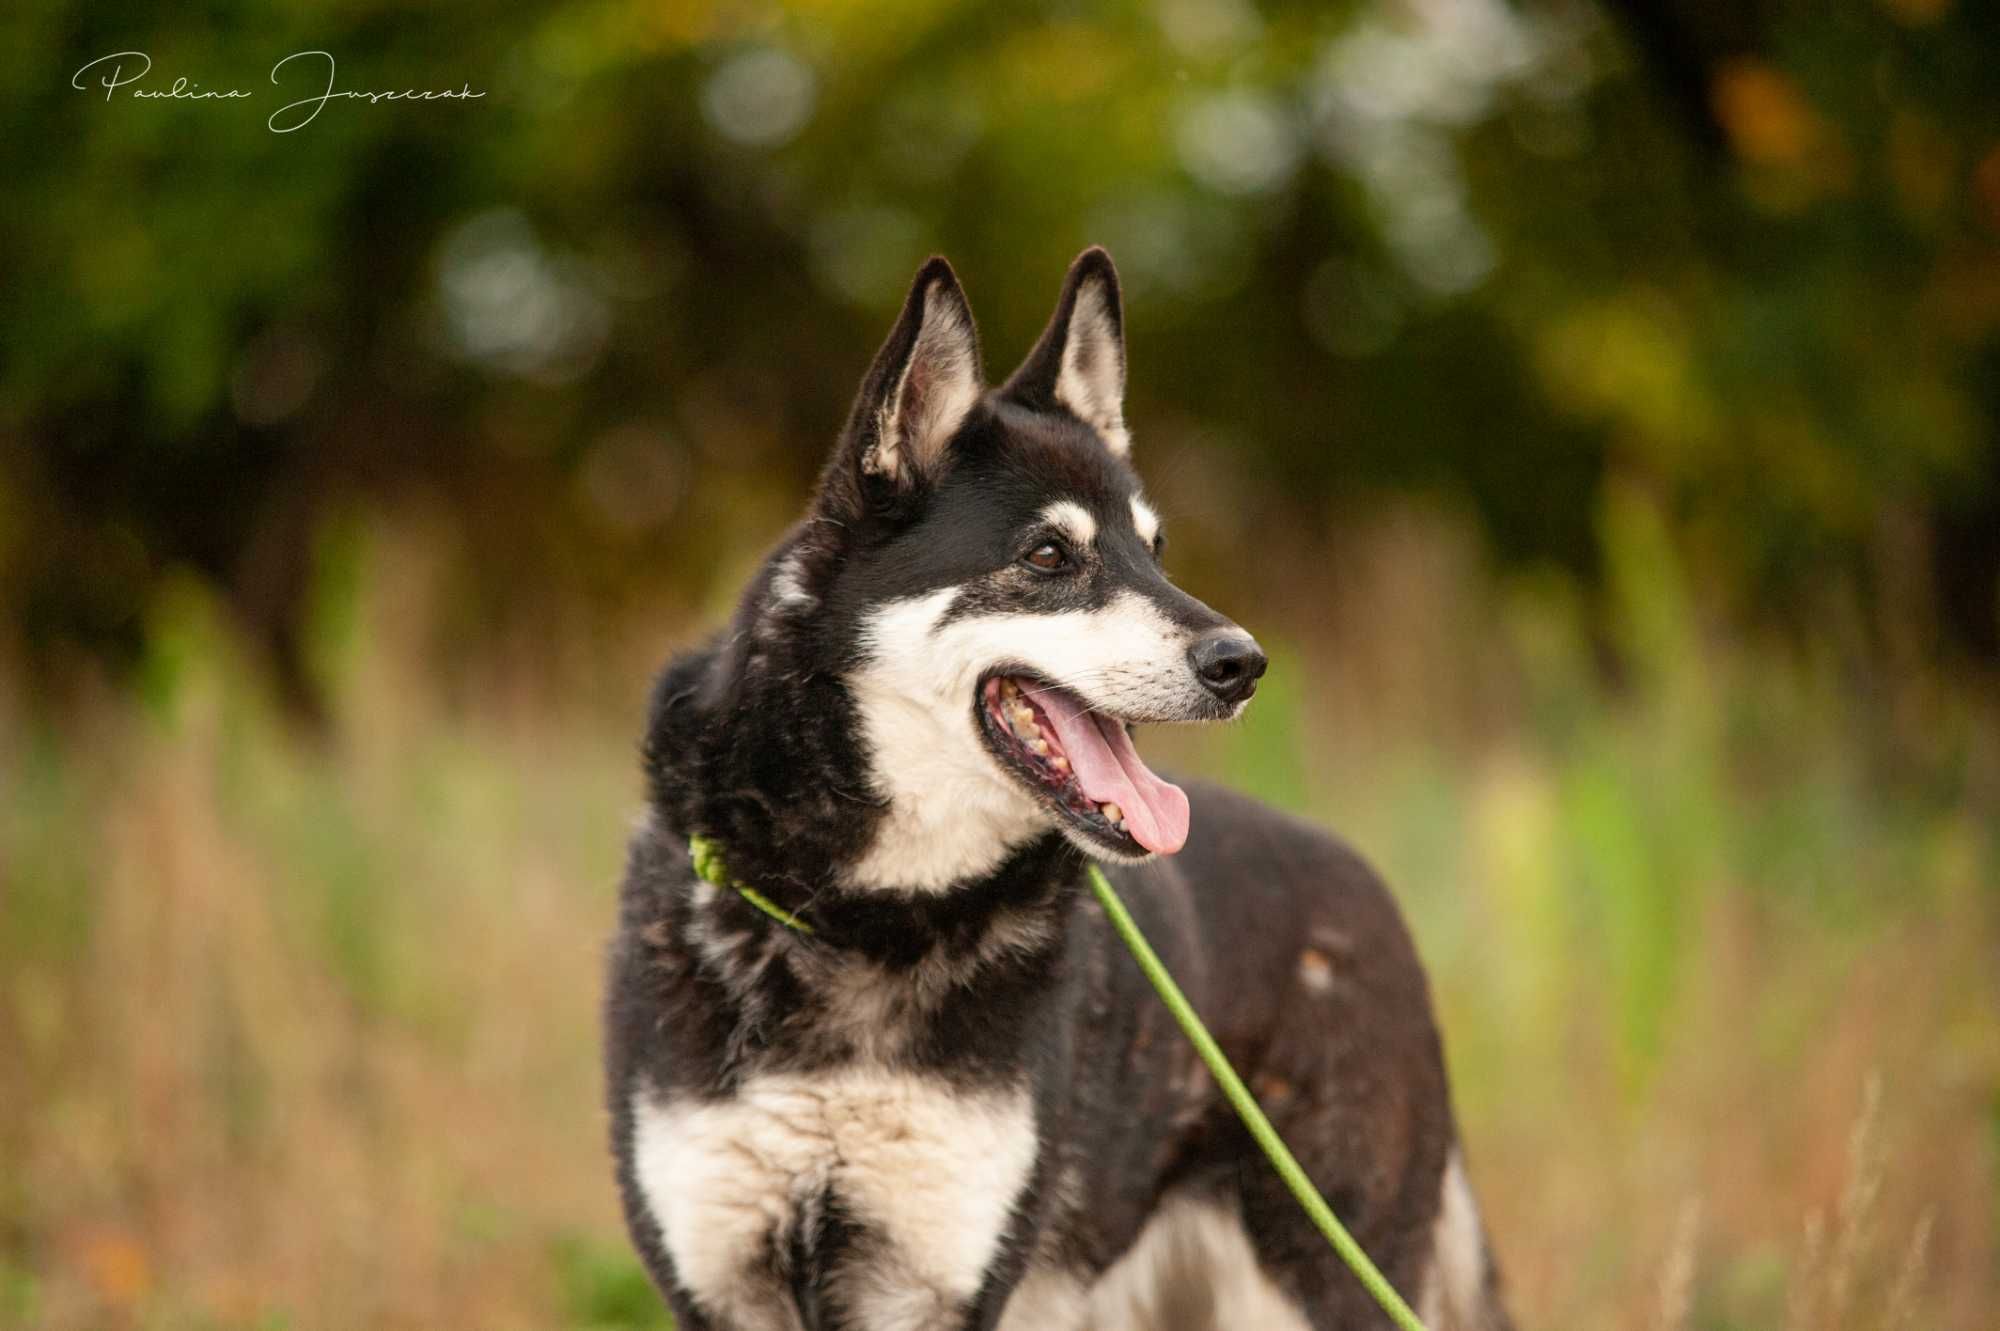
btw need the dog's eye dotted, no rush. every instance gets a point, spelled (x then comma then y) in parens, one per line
(1048, 557)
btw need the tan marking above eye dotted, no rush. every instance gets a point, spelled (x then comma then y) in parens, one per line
(1145, 521)
(1072, 520)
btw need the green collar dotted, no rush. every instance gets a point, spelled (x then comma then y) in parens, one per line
(707, 857)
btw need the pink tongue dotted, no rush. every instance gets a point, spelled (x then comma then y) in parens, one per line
(1111, 772)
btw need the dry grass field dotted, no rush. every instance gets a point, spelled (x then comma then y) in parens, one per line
(299, 1031)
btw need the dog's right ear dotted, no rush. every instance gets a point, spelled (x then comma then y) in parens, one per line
(925, 381)
(1079, 363)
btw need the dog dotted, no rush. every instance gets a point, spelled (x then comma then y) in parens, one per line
(918, 1083)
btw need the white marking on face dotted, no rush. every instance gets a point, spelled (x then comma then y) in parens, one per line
(1072, 520)
(933, 1171)
(1454, 1290)
(1145, 521)
(1091, 379)
(1192, 1257)
(953, 813)
(1315, 970)
(950, 816)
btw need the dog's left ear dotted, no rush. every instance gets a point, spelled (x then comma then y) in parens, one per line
(1079, 364)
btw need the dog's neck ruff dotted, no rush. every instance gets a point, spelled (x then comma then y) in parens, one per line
(707, 859)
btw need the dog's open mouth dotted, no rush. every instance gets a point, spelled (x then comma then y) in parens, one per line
(1082, 764)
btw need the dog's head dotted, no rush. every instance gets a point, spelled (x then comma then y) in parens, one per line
(993, 568)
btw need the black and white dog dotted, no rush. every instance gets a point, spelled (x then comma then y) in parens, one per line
(955, 1103)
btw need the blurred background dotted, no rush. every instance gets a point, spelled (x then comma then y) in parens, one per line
(1596, 407)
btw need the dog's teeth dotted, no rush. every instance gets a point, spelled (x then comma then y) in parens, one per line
(1039, 747)
(1060, 763)
(1009, 689)
(1112, 813)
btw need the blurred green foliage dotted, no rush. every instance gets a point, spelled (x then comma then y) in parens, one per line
(604, 1289)
(1742, 258)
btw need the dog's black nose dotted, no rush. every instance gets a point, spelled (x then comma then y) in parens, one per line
(1230, 664)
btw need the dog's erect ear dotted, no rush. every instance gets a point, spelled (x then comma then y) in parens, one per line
(1079, 364)
(924, 381)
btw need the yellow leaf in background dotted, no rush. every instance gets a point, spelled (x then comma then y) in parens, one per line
(1063, 61)
(1767, 117)
(1629, 361)
(1916, 13)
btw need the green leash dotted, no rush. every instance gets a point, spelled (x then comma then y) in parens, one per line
(708, 863)
(1247, 1109)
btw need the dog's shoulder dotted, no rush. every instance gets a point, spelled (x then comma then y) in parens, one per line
(1269, 862)
(1265, 894)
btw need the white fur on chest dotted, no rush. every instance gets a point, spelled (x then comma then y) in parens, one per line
(933, 1171)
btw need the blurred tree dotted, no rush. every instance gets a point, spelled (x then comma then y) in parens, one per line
(1746, 257)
